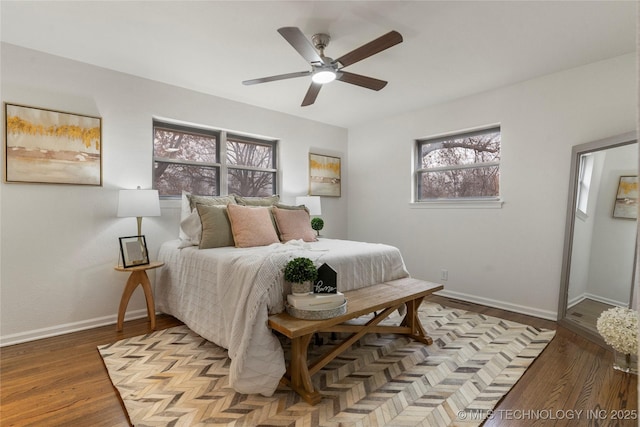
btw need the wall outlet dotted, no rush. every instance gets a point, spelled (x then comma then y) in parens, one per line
(444, 274)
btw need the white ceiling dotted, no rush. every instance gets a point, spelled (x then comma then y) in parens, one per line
(451, 48)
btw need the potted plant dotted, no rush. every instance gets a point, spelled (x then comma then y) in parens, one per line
(301, 273)
(317, 224)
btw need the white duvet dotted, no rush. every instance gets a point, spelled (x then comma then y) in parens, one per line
(226, 295)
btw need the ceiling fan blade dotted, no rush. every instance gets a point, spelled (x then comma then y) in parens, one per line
(278, 77)
(359, 80)
(300, 43)
(390, 39)
(312, 94)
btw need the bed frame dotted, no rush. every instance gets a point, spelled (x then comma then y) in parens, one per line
(382, 300)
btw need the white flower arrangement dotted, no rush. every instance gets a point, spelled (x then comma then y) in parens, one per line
(619, 328)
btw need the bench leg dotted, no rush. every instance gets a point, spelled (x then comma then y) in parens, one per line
(412, 321)
(299, 377)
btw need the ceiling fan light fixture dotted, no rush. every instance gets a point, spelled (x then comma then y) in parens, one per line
(323, 76)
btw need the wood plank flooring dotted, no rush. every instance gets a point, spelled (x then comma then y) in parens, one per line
(61, 381)
(586, 313)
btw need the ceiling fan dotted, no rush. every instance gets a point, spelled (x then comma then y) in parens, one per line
(325, 69)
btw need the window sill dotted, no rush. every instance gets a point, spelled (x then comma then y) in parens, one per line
(458, 204)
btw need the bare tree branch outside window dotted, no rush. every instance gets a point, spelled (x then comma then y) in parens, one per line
(464, 166)
(188, 159)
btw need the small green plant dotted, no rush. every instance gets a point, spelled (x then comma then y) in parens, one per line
(317, 224)
(300, 270)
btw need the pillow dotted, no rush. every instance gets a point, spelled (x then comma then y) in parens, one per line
(210, 200)
(291, 207)
(258, 201)
(216, 228)
(185, 211)
(294, 224)
(251, 226)
(190, 230)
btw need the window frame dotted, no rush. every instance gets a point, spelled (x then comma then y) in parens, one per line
(460, 202)
(222, 166)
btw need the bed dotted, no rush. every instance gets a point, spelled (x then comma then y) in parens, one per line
(226, 293)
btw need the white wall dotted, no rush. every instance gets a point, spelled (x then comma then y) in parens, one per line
(60, 242)
(612, 250)
(509, 257)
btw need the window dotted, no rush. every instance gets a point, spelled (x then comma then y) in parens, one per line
(462, 166)
(211, 162)
(584, 184)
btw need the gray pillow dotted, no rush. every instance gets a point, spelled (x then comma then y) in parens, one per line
(210, 200)
(258, 201)
(216, 228)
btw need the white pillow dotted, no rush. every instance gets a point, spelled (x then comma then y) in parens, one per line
(191, 226)
(185, 211)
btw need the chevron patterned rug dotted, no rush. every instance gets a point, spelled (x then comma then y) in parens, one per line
(174, 377)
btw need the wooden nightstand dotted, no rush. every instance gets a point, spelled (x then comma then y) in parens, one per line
(138, 277)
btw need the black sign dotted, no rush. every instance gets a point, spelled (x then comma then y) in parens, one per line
(327, 281)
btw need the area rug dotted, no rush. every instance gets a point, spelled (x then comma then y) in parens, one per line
(174, 377)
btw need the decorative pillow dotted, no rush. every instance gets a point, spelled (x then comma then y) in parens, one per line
(216, 228)
(210, 200)
(190, 230)
(251, 226)
(185, 211)
(258, 201)
(294, 224)
(291, 207)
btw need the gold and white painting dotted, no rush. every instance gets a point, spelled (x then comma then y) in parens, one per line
(626, 205)
(46, 146)
(324, 175)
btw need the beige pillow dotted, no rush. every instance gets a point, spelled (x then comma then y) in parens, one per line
(294, 224)
(216, 228)
(251, 226)
(209, 200)
(258, 201)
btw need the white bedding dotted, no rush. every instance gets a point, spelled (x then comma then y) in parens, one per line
(226, 295)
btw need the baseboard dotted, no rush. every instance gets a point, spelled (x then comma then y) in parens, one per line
(576, 300)
(607, 300)
(530, 311)
(67, 328)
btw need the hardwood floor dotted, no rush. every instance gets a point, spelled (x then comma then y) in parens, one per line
(586, 313)
(62, 380)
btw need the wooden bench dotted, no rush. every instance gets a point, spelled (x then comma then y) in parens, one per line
(382, 299)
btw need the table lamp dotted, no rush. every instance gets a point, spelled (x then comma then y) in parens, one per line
(312, 203)
(138, 203)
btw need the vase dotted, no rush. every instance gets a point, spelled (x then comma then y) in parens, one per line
(301, 288)
(625, 362)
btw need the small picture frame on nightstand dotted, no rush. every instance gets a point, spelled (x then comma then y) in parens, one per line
(133, 251)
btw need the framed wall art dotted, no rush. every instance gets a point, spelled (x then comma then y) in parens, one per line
(324, 175)
(133, 251)
(626, 203)
(52, 147)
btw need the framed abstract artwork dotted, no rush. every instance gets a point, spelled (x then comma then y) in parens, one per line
(324, 175)
(52, 147)
(626, 203)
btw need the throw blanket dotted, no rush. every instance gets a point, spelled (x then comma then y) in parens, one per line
(227, 294)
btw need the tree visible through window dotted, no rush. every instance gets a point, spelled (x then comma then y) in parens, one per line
(211, 162)
(459, 166)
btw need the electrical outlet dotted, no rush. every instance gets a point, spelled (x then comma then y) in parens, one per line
(444, 274)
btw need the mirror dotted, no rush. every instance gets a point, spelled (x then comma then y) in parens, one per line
(598, 265)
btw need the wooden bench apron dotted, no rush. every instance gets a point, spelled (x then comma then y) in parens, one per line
(383, 299)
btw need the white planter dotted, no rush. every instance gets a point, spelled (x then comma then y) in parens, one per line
(301, 288)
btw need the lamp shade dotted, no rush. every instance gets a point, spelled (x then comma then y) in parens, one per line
(138, 203)
(312, 203)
